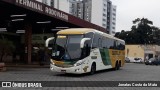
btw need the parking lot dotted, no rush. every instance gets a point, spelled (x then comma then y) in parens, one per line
(130, 72)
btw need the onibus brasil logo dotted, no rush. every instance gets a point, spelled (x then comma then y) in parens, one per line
(20, 84)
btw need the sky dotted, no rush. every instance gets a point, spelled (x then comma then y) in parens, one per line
(129, 10)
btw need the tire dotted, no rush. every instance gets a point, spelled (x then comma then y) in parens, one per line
(117, 66)
(120, 64)
(93, 69)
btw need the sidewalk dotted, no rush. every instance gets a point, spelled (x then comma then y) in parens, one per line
(28, 65)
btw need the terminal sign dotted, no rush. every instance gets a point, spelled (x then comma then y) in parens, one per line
(42, 8)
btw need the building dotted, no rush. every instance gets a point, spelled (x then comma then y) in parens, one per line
(101, 13)
(113, 20)
(81, 9)
(76, 8)
(142, 51)
(26, 24)
(45, 2)
(134, 51)
(62, 5)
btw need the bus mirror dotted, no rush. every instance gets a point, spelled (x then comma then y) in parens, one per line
(83, 41)
(48, 40)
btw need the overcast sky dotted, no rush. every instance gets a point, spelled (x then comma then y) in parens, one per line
(128, 10)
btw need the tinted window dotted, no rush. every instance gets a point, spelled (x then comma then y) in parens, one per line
(89, 35)
(97, 42)
(112, 44)
(109, 43)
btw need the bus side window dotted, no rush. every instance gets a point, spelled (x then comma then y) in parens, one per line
(121, 46)
(89, 35)
(111, 43)
(107, 42)
(85, 51)
(100, 43)
(104, 43)
(95, 41)
(87, 45)
(115, 45)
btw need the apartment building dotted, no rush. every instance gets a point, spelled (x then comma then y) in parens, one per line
(62, 5)
(101, 12)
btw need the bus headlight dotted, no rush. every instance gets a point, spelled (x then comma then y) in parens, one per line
(51, 61)
(79, 63)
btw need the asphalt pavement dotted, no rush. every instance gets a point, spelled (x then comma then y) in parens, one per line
(131, 72)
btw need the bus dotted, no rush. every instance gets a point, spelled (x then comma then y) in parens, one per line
(85, 50)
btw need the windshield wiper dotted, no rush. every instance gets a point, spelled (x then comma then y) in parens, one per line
(66, 52)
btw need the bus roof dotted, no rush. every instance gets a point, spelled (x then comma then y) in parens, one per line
(108, 36)
(73, 31)
(79, 31)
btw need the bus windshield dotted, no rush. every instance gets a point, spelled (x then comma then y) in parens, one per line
(67, 47)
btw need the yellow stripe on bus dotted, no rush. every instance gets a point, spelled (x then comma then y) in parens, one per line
(74, 31)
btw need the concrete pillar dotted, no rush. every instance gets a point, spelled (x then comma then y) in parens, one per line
(28, 42)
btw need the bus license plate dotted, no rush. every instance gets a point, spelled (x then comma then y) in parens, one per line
(63, 70)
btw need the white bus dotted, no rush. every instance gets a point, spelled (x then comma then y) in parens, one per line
(83, 50)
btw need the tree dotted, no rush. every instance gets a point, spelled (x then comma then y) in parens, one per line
(143, 21)
(156, 35)
(121, 34)
(141, 32)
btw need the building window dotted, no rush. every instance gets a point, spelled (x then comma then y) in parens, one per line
(113, 27)
(114, 9)
(104, 25)
(52, 3)
(104, 15)
(72, 5)
(113, 32)
(45, 2)
(108, 26)
(108, 20)
(87, 7)
(114, 14)
(108, 10)
(104, 10)
(104, 20)
(114, 18)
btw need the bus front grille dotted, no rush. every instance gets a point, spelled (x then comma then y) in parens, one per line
(63, 65)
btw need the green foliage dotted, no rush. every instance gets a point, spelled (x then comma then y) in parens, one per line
(142, 32)
(6, 48)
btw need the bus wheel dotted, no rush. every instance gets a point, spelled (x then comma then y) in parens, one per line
(120, 64)
(116, 66)
(93, 69)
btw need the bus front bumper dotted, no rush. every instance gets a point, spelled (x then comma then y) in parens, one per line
(74, 70)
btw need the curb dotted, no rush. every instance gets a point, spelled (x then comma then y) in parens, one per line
(29, 66)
